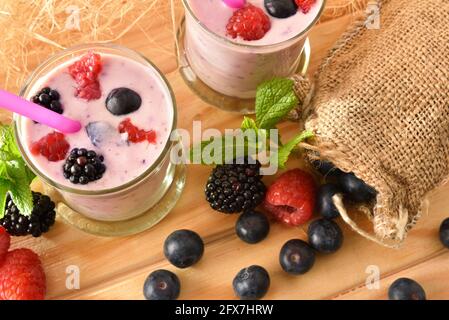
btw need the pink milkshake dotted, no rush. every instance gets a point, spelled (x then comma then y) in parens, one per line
(118, 165)
(235, 66)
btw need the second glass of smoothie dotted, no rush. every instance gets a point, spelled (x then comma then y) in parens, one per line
(118, 166)
(233, 67)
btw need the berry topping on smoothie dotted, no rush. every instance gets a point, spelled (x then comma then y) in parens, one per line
(103, 133)
(305, 5)
(53, 146)
(85, 72)
(136, 135)
(281, 8)
(83, 166)
(249, 23)
(122, 101)
(49, 99)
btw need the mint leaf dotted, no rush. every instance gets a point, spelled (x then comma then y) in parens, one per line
(248, 123)
(3, 193)
(19, 187)
(285, 150)
(274, 100)
(15, 176)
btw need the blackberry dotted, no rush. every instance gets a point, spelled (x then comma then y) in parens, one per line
(49, 99)
(83, 166)
(41, 219)
(233, 188)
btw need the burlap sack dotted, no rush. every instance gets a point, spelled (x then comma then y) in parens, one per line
(381, 110)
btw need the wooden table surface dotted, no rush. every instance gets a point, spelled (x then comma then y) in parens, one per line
(115, 268)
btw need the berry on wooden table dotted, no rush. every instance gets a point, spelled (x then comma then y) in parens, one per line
(406, 289)
(325, 236)
(22, 276)
(5, 242)
(183, 248)
(252, 227)
(291, 198)
(162, 285)
(41, 219)
(251, 283)
(324, 204)
(296, 257)
(444, 233)
(234, 187)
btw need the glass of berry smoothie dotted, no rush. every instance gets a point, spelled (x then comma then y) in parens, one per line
(114, 177)
(226, 52)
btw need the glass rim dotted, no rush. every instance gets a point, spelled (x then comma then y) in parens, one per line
(153, 169)
(257, 46)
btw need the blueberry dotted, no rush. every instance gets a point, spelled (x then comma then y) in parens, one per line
(324, 204)
(325, 236)
(406, 289)
(252, 227)
(326, 168)
(100, 132)
(54, 95)
(281, 8)
(122, 101)
(183, 248)
(251, 283)
(161, 285)
(45, 99)
(444, 233)
(355, 189)
(296, 257)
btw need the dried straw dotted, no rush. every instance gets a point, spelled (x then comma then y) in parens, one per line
(34, 29)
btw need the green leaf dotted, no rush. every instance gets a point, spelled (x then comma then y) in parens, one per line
(226, 148)
(15, 176)
(3, 193)
(248, 123)
(286, 149)
(19, 188)
(274, 100)
(8, 146)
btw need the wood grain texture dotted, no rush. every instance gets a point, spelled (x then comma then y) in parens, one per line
(115, 268)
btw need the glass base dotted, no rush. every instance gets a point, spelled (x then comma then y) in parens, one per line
(127, 227)
(215, 98)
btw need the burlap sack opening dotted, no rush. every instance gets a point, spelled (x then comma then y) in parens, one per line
(381, 110)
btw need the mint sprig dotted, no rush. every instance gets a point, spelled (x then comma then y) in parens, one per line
(15, 176)
(274, 100)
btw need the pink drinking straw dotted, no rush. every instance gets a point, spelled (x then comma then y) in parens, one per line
(38, 113)
(235, 4)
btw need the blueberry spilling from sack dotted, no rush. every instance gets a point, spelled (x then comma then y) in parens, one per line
(345, 185)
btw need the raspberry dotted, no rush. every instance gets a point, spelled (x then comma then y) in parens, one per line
(135, 134)
(5, 242)
(291, 198)
(53, 146)
(22, 276)
(305, 5)
(250, 23)
(85, 72)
